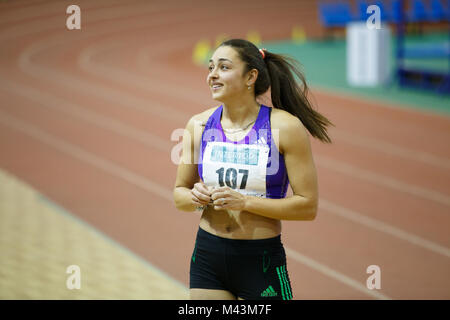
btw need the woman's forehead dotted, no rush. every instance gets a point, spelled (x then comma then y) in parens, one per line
(225, 52)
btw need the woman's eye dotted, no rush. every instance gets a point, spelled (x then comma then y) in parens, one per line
(210, 68)
(224, 67)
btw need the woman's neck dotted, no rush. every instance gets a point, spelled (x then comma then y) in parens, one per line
(236, 115)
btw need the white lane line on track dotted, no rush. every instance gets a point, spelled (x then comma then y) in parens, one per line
(87, 157)
(152, 187)
(389, 148)
(334, 274)
(103, 92)
(379, 102)
(382, 180)
(149, 83)
(100, 91)
(383, 227)
(77, 111)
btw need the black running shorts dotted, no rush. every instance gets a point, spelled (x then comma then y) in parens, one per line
(249, 269)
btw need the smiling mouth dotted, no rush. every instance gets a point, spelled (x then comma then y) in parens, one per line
(215, 87)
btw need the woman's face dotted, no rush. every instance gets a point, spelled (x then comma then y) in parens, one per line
(225, 75)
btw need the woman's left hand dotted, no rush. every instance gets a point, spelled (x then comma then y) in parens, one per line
(227, 198)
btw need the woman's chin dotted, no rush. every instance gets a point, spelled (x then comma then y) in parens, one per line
(217, 97)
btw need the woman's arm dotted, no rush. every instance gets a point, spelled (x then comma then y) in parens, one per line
(295, 146)
(189, 192)
(187, 174)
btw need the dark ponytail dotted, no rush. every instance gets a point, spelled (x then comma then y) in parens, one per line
(278, 72)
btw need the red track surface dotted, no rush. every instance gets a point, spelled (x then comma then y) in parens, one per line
(86, 118)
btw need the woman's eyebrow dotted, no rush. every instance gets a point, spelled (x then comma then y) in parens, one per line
(221, 59)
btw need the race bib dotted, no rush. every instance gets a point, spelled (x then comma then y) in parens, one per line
(241, 167)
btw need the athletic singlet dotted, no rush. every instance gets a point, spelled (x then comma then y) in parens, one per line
(251, 166)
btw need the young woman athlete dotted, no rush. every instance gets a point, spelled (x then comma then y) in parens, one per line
(237, 162)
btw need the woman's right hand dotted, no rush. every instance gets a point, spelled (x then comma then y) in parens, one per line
(201, 195)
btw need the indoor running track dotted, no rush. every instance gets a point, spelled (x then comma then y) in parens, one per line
(86, 118)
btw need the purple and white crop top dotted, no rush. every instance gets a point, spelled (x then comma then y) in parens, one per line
(251, 166)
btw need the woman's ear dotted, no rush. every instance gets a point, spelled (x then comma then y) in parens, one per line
(252, 75)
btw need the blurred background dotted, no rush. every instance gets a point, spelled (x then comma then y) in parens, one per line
(91, 97)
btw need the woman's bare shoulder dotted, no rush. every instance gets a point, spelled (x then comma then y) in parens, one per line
(281, 119)
(202, 117)
(291, 131)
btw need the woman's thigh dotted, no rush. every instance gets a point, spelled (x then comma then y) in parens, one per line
(210, 294)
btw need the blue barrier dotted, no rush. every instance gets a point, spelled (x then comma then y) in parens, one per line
(338, 14)
(435, 11)
(439, 12)
(332, 14)
(418, 12)
(397, 11)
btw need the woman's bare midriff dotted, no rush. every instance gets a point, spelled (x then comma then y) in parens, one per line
(234, 224)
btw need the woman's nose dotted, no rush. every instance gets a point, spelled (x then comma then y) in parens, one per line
(212, 75)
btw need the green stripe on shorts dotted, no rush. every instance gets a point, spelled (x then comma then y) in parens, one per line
(286, 291)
